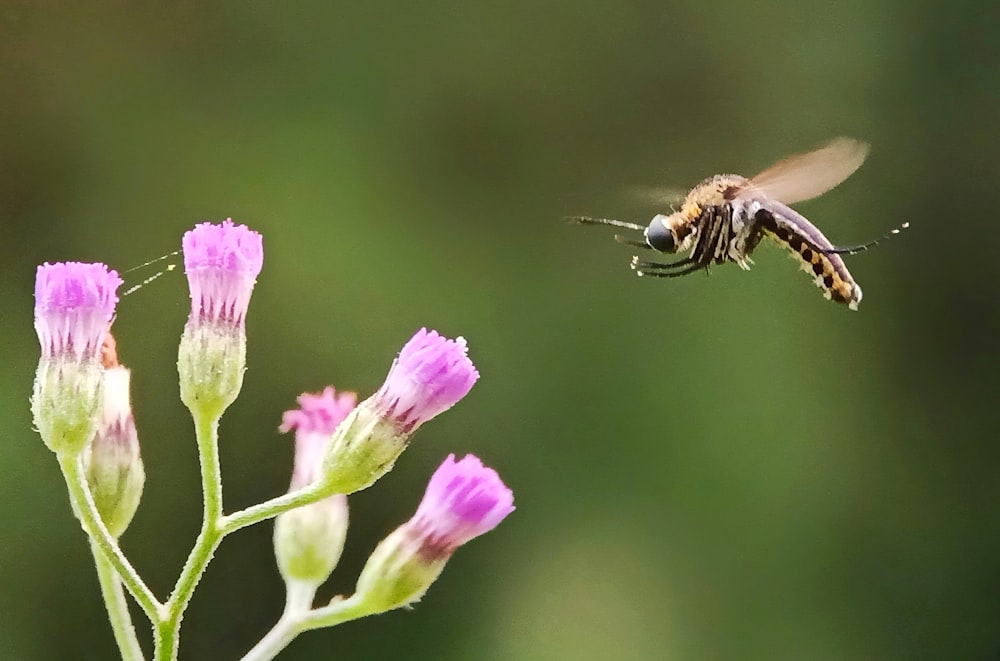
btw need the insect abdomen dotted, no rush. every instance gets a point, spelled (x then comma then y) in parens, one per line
(806, 242)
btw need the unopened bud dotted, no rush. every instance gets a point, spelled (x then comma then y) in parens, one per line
(431, 374)
(463, 500)
(308, 540)
(111, 462)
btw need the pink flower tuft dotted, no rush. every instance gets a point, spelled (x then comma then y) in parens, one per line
(222, 263)
(112, 460)
(116, 417)
(464, 499)
(429, 377)
(314, 422)
(74, 306)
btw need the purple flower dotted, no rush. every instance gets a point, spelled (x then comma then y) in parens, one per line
(429, 377)
(463, 500)
(308, 540)
(74, 307)
(314, 422)
(222, 263)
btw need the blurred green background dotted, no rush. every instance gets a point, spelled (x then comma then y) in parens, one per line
(707, 468)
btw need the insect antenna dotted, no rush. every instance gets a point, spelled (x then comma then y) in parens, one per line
(853, 250)
(587, 220)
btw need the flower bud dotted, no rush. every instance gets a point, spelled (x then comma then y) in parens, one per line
(463, 500)
(222, 263)
(308, 540)
(74, 307)
(431, 374)
(111, 462)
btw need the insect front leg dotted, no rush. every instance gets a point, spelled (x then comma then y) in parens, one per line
(667, 273)
(643, 265)
(635, 243)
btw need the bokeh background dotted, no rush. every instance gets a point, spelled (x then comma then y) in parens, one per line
(727, 467)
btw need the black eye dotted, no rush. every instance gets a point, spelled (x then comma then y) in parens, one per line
(659, 237)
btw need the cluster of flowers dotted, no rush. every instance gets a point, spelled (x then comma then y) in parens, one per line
(82, 410)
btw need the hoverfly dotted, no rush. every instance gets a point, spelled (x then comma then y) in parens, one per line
(724, 218)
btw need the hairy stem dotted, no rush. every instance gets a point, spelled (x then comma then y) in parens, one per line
(168, 628)
(272, 508)
(115, 602)
(298, 601)
(90, 520)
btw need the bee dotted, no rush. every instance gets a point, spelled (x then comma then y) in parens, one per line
(724, 218)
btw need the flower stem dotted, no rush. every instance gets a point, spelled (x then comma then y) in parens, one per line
(271, 508)
(90, 520)
(298, 601)
(337, 612)
(296, 620)
(281, 634)
(168, 628)
(114, 600)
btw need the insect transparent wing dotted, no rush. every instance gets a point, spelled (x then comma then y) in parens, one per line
(809, 175)
(656, 195)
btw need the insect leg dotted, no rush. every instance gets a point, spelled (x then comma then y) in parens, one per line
(721, 252)
(708, 226)
(639, 264)
(632, 242)
(709, 229)
(670, 274)
(852, 250)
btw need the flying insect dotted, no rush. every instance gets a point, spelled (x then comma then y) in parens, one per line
(725, 217)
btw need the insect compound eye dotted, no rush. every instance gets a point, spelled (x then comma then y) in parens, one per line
(658, 235)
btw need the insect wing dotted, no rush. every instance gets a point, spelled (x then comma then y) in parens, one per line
(805, 176)
(660, 196)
